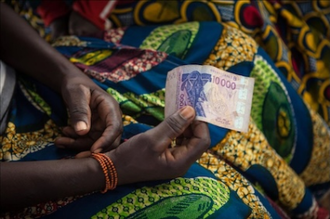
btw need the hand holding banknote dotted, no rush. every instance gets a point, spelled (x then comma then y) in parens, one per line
(219, 97)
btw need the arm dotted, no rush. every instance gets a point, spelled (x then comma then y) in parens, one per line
(24, 50)
(144, 157)
(47, 180)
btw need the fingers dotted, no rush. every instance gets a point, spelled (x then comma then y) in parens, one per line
(110, 139)
(69, 132)
(110, 114)
(77, 101)
(63, 142)
(200, 141)
(96, 120)
(172, 127)
(195, 145)
(80, 144)
(73, 141)
(83, 154)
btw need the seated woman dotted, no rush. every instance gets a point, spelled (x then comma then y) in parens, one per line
(96, 122)
(280, 168)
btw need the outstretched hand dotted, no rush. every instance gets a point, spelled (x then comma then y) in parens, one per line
(148, 156)
(95, 117)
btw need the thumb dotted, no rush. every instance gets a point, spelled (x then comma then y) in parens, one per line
(173, 126)
(79, 111)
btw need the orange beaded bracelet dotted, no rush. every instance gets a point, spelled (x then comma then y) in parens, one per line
(108, 168)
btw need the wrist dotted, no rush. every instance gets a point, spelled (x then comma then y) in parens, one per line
(122, 175)
(67, 74)
(108, 169)
(96, 173)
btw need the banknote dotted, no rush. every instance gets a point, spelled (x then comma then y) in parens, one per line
(218, 97)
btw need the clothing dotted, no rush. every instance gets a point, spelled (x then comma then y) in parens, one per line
(7, 85)
(279, 169)
(95, 11)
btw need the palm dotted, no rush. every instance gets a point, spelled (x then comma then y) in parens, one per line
(148, 156)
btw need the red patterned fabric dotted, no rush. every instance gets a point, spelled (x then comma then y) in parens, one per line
(95, 11)
(51, 10)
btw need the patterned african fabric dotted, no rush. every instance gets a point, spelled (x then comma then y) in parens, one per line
(295, 34)
(280, 168)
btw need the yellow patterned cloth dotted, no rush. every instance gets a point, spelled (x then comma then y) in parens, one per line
(280, 168)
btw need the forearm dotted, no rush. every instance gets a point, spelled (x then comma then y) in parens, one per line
(28, 183)
(24, 50)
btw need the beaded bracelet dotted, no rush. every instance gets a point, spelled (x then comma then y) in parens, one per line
(107, 167)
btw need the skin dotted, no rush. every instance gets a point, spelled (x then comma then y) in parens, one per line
(144, 157)
(77, 25)
(87, 103)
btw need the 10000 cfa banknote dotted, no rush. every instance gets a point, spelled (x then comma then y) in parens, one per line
(218, 97)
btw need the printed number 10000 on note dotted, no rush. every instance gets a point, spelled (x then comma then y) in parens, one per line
(218, 97)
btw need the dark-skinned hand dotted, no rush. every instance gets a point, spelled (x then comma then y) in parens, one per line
(149, 156)
(95, 117)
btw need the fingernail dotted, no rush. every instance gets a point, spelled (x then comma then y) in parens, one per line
(81, 126)
(187, 112)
